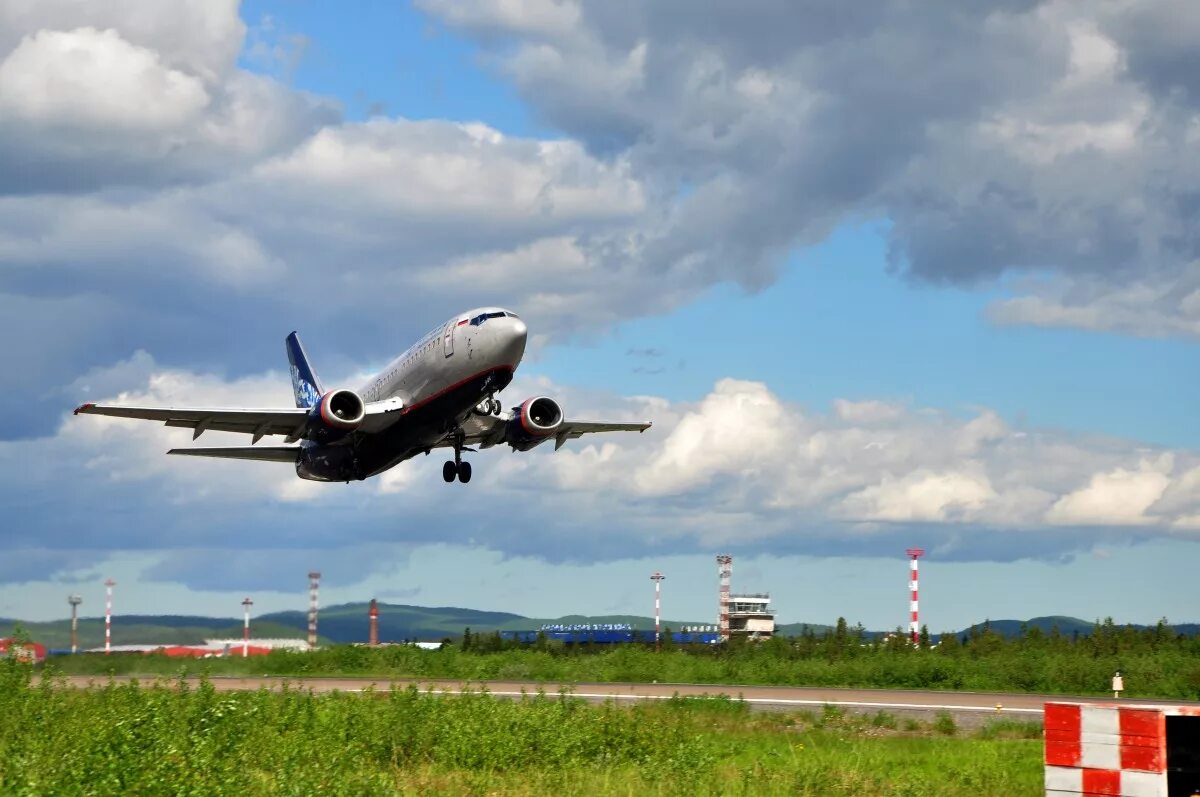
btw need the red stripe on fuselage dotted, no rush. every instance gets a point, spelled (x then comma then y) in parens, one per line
(455, 386)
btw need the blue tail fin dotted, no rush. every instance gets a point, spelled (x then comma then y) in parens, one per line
(305, 383)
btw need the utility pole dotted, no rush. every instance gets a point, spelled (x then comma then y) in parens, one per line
(657, 578)
(373, 624)
(246, 604)
(314, 584)
(108, 585)
(74, 600)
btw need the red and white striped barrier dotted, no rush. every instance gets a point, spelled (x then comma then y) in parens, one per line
(1108, 749)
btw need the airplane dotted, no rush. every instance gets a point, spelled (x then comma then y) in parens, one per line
(440, 393)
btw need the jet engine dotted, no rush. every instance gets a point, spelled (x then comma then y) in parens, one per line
(533, 422)
(337, 414)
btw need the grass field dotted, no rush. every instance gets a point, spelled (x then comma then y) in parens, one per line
(167, 738)
(1170, 672)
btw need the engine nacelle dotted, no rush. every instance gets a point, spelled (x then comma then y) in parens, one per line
(327, 464)
(337, 414)
(534, 422)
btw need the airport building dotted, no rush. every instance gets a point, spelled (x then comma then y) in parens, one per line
(211, 647)
(751, 615)
(611, 634)
(22, 651)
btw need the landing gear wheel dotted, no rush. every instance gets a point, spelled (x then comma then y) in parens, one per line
(496, 407)
(456, 468)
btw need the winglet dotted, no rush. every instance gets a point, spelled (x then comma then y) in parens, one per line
(84, 408)
(305, 384)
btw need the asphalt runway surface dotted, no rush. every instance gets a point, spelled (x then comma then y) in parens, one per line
(977, 705)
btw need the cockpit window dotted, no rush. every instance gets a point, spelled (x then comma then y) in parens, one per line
(513, 315)
(479, 319)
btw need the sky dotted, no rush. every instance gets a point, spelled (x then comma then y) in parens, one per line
(881, 276)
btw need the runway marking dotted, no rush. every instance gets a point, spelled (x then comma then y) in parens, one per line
(768, 701)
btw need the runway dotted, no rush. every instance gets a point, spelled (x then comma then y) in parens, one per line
(980, 704)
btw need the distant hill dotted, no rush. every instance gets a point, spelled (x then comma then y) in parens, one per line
(1067, 626)
(347, 622)
(143, 630)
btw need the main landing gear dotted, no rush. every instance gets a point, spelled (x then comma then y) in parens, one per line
(489, 406)
(457, 469)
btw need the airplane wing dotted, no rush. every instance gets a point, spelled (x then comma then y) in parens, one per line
(263, 453)
(488, 430)
(257, 422)
(288, 421)
(573, 430)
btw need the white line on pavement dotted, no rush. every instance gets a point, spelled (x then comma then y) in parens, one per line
(771, 701)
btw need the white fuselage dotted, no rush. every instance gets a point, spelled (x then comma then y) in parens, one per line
(440, 379)
(465, 346)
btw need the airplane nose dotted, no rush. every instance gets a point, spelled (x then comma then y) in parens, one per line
(513, 340)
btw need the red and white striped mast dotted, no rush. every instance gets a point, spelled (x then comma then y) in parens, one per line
(314, 583)
(657, 579)
(725, 572)
(108, 585)
(913, 625)
(246, 604)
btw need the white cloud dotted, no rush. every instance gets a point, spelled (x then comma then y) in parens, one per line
(125, 93)
(546, 261)
(114, 450)
(866, 412)
(921, 496)
(147, 179)
(88, 78)
(698, 149)
(737, 430)
(1117, 497)
(202, 37)
(531, 17)
(435, 169)
(1148, 306)
(1037, 136)
(741, 449)
(740, 467)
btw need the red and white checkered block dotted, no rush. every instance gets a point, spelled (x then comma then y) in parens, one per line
(1106, 749)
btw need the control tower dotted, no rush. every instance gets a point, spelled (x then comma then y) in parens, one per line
(751, 615)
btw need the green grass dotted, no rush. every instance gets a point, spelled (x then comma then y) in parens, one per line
(1168, 672)
(169, 738)
(945, 724)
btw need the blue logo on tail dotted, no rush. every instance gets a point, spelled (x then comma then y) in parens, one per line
(305, 384)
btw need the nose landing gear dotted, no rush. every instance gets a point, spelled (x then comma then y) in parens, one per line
(457, 469)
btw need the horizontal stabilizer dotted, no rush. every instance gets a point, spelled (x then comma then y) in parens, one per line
(264, 453)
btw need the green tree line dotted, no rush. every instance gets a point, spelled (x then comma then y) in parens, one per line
(1155, 662)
